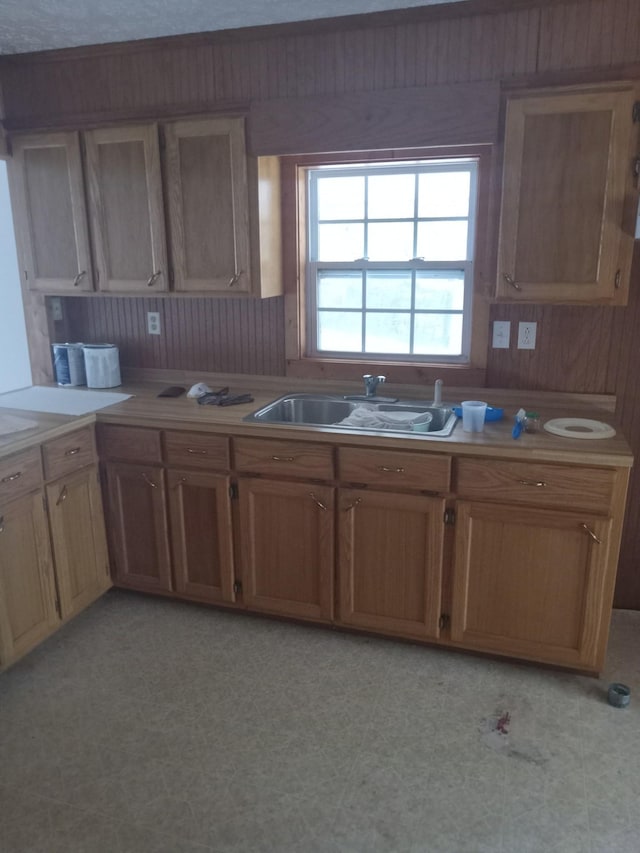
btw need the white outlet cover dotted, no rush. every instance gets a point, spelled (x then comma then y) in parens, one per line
(527, 335)
(153, 322)
(501, 334)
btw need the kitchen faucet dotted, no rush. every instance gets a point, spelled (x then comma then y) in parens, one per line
(371, 383)
(437, 393)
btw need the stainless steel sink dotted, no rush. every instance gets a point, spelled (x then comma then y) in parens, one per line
(328, 410)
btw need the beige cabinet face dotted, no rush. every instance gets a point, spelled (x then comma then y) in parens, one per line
(50, 213)
(565, 184)
(126, 209)
(208, 205)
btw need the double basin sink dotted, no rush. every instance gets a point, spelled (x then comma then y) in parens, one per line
(329, 410)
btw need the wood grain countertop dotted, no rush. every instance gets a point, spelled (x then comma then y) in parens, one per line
(145, 408)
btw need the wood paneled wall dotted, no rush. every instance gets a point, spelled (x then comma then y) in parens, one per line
(318, 69)
(212, 335)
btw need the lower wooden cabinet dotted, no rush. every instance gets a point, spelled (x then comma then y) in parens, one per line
(287, 547)
(201, 534)
(78, 537)
(529, 583)
(27, 585)
(390, 561)
(138, 529)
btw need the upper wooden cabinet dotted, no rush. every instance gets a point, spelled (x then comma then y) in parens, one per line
(565, 229)
(50, 212)
(224, 210)
(126, 208)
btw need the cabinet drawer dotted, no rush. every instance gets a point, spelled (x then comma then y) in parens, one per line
(196, 450)
(134, 444)
(68, 453)
(544, 485)
(290, 458)
(20, 474)
(395, 468)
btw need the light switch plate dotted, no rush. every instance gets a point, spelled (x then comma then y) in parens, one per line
(527, 335)
(501, 334)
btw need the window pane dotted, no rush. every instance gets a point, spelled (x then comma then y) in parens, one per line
(443, 194)
(340, 290)
(390, 241)
(389, 290)
(340, 331)
(440, 290)
(389, 333)
(340, 242)
(442, 241)
(439, 334)
(341, 198)
(391, 197)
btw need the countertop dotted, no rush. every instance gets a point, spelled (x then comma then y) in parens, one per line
(146, 409)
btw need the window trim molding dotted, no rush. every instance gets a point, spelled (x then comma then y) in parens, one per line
(298, 364)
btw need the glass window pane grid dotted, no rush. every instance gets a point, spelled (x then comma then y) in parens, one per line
(464, 265)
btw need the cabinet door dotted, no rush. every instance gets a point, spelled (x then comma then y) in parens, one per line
(566, 174)
(529, 582)
(208, 205)
(390, 562)
(126, 209)
(78, 537)
(50, 212)
(287, 540)
(202, 546)
(27, 589)
(138, 532)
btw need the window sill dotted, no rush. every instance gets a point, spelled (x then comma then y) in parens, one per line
(404, 373)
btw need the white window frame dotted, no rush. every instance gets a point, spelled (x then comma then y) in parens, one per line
(412, 265)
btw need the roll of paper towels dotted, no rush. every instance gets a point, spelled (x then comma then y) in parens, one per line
(102, 365)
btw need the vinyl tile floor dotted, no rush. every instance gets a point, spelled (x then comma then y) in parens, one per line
(152, 726)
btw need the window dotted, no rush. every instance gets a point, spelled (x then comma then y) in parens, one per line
(390, 260)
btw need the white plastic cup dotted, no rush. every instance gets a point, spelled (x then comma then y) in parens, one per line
(473, 413)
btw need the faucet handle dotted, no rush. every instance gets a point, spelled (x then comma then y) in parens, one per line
(381, 378)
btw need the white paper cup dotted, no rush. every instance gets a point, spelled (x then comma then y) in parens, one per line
(473, 412)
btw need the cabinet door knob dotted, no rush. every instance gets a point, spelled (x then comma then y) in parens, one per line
(62, 496)
(316, 501)
(591, 534)
(510, 280)
(11, 477)
(79, 278)
(72, 452)
(538, 483)
(153, 278)
(149, 481)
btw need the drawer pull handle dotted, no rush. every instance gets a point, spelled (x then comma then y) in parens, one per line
(316, 501)
(353, 504)
(62, 496)
(11, 477)
(538, 483)
(149, 481)
(79, 278)
(591, 534)
(283, 458)
(390, 470)
(72, 452)
(153, 278)
(196, 451)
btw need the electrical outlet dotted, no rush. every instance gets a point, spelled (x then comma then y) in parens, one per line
(527, 335)
(56, 309)
(153, 322)
(501, 334)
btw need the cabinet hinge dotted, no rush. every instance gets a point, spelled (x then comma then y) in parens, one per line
(233, 491)
(635, 113)
(237, 586)
(444, 620)
(449, 516)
